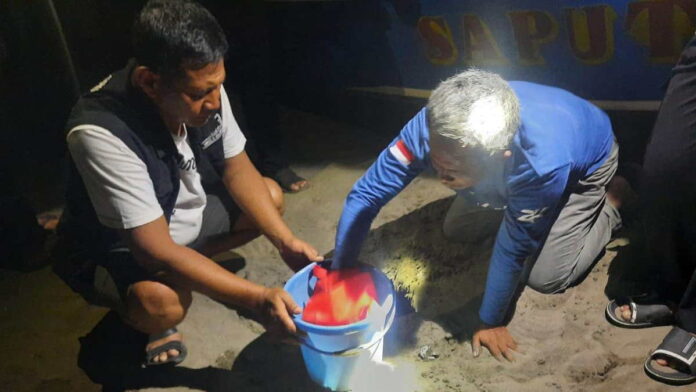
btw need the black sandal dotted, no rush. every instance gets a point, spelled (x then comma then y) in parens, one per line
(646, 311)
(151, 354)
(679, 348)
(286, 177)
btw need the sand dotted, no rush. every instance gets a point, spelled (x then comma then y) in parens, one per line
(566, 342)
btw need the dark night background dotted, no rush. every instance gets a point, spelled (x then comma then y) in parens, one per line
(283, 55)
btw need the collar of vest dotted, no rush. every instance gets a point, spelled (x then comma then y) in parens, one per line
(132, 102)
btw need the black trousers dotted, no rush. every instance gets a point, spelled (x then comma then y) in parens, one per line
(668, 192)
(250, 77)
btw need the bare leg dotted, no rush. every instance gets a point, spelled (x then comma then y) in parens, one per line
(619, 192)
(153, 307)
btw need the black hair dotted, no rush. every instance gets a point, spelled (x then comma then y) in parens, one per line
(172, 35)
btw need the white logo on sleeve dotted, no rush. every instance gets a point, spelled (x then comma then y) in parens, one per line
(215, 135)
(531, 216)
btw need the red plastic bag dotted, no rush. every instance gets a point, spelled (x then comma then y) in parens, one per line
(340, 297)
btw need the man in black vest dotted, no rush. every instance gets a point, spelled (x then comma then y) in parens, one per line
(160, 182)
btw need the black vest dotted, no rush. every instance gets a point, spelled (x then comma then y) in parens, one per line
(128, 114)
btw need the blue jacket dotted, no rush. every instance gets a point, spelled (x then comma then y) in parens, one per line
(562, 139)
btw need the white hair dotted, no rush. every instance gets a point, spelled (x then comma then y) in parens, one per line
(475, 108)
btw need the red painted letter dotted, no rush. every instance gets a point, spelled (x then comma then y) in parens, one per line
(591, 33)
(480, 47)
(663, 26)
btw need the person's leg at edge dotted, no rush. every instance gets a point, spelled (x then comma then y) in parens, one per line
(670, 160)
(678, 276)
(253, 82)
(686, 312)
(668, 188)
(685, 315)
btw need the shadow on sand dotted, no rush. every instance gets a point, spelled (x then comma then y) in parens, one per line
(111, 355)
(453, 276)
(450, 277)
(112, 352)
(630, 271)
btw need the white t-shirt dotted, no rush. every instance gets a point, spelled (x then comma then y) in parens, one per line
(120, 188)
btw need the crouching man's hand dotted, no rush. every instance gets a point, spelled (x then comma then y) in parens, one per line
(297, 253)
(275, 308)
(496, 339)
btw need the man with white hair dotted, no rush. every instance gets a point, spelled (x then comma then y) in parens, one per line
(539, 157)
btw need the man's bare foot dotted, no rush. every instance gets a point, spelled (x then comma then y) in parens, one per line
(48, 221)
(662, 362)
(289, 180)
(645, 310)
(619, 192)
(672, 361)
(298, 186)
(163, 357)
(625, 313)
(666, 361)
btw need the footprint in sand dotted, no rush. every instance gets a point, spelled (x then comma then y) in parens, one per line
(590, 365)
(540, 325)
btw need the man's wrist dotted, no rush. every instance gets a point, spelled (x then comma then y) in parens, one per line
(483, 324)
(256, 299)
(282, 240)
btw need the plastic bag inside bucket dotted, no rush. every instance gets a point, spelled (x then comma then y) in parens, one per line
(340, 297)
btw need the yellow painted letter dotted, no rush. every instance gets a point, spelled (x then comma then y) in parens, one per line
(437, 38)
(532, 29)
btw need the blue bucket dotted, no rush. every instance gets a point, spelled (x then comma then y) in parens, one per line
(331, 353)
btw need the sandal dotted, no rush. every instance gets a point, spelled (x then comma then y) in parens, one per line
(679, 348)
(646, 311)
(286, 177)
(151, 354)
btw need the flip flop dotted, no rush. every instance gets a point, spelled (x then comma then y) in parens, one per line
(285, 177)
(678, 347)
(646, 311)
(151, 354)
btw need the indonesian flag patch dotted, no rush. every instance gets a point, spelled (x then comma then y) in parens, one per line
(401, 153)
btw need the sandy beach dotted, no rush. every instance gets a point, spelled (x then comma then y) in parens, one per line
(565, 342)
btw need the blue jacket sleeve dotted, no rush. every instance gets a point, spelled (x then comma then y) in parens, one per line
(533, 205)
(404, 158)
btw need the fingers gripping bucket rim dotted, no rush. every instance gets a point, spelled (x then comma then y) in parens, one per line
(331, 353)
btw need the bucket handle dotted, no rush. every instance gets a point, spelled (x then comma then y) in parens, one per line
(351, 351)
(311, 284)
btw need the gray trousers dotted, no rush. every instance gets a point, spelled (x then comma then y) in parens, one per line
(576, 239)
